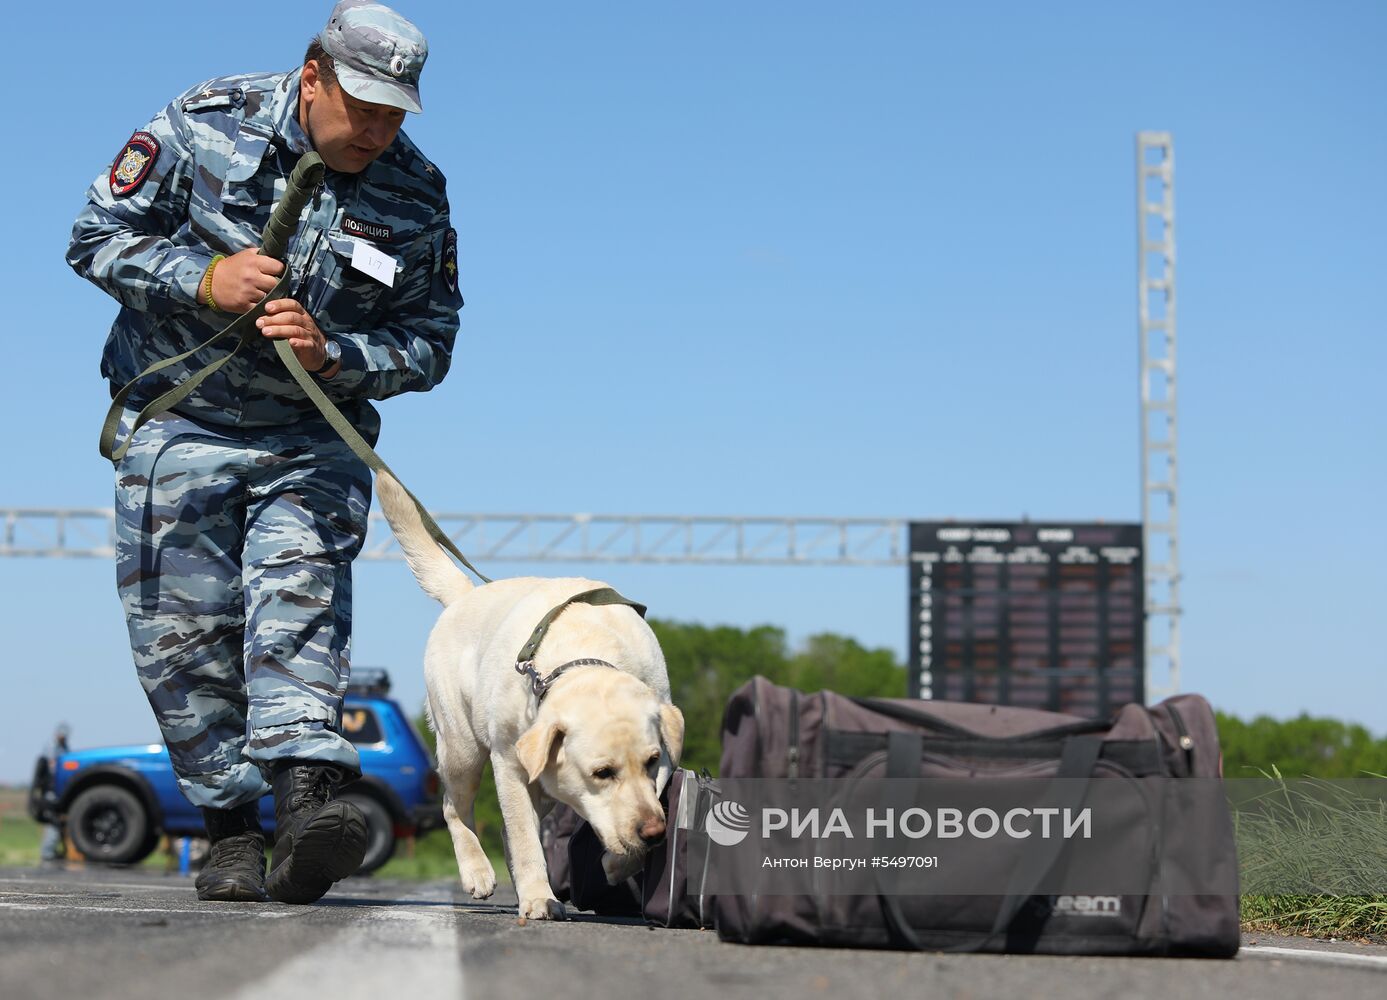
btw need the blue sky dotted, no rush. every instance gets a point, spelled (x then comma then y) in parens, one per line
(801, 258)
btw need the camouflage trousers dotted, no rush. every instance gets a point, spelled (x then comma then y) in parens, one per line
(234, 549)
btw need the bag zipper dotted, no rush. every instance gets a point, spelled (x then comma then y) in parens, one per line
(704, 785)
(1185, 740)
(792, 757)
(756, 718)
(673, 854)
(871, 760)
(889, 708)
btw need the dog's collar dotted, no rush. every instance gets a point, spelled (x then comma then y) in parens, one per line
(540, 685)
(525, 661)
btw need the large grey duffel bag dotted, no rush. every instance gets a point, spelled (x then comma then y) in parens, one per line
(776, 732)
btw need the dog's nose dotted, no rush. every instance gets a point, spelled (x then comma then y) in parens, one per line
(652, 831)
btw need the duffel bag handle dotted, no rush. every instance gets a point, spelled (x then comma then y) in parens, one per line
(903, 752)
(1078, 758)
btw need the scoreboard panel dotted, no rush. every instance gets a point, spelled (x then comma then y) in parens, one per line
(1043, 615)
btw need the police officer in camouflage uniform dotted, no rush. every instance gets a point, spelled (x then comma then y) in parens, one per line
(238, 514)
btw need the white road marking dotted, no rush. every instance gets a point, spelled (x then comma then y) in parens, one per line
(1312, 955)
(370, 962)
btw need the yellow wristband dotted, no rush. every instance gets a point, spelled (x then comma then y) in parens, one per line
(207, 280)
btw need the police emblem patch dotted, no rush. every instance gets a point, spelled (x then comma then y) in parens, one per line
(450, 260)
(133, 164)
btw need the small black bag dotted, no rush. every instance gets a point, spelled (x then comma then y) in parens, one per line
(573, 855)
(673, 895)
(664, 892)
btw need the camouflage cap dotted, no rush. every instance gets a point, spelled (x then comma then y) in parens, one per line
(377, 54)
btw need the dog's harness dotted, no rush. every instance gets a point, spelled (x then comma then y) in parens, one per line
(525, 661)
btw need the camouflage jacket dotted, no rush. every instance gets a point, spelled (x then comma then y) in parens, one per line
(201, 179)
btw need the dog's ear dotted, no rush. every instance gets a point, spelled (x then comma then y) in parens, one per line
(535, 746)
(672, 732)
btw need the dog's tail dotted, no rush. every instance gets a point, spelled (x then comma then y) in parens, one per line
(436, 572)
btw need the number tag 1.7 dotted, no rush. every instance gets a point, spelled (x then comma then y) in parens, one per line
(368, 260)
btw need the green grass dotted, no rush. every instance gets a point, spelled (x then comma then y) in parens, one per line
(19, 839)
(1312, 852)
(1356, 917)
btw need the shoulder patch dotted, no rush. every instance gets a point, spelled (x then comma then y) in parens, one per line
(450, 260)
(213, 97)
(432, 173)
(406, 156)
(133, 164)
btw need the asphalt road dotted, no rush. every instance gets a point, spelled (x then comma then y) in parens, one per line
(113, 934)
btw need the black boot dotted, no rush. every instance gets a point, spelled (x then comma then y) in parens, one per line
(317, 840)
(235, 868)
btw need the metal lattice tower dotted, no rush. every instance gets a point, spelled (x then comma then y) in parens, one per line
(1159, 440)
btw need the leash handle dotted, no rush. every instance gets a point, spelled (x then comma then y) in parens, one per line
(362, 449)
(284, 221)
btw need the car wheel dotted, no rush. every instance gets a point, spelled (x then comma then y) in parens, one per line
(380, 843)
(108, 823)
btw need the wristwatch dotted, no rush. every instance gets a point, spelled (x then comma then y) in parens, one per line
(333, 350)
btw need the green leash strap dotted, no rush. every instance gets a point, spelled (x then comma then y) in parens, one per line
(364, 451)
(243, 327)
(303, 180)
(284, 220)
(600, 596)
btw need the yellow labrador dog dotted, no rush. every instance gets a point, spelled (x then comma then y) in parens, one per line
(602, 740)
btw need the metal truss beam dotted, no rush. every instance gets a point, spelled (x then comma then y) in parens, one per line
(578, 538)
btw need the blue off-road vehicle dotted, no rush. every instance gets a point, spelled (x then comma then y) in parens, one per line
(117, 802)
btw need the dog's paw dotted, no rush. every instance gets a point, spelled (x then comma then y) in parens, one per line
(542, 908)
(479, 880)
(619, 867)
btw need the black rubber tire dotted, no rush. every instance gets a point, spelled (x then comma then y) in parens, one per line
(380, 847)
(109, 824)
